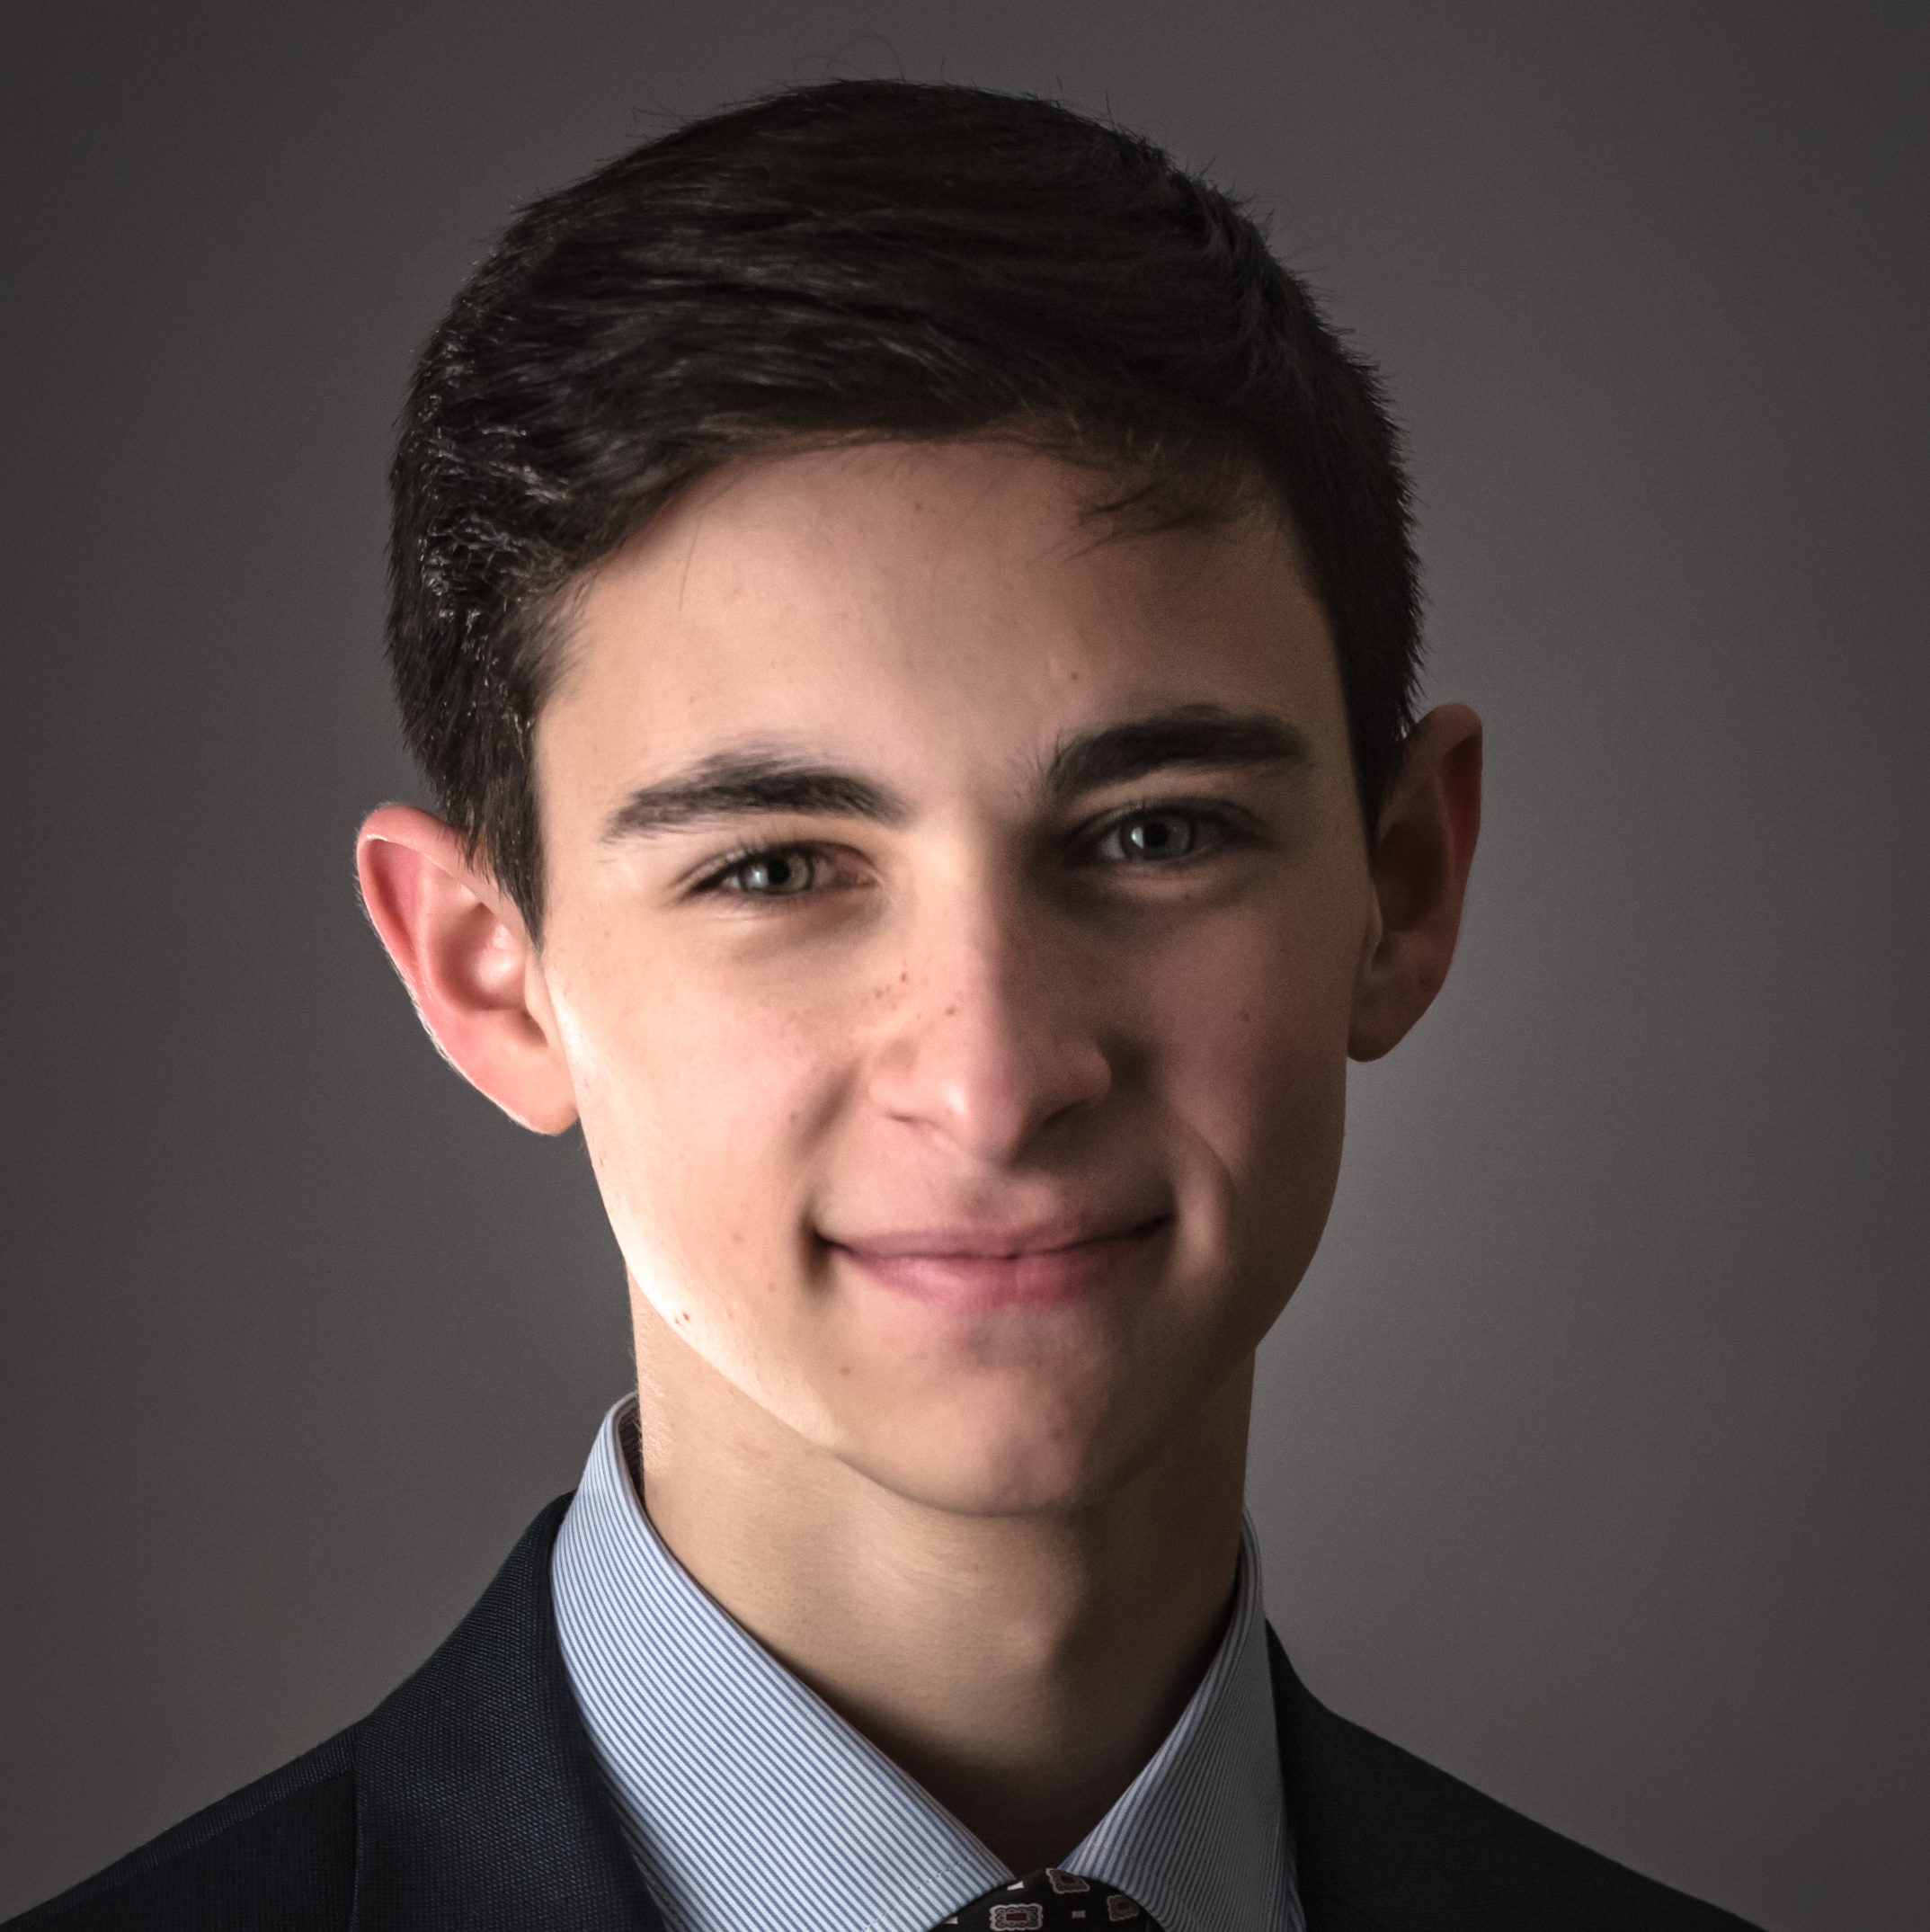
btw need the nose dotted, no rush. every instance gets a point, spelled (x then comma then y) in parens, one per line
(992, 1042)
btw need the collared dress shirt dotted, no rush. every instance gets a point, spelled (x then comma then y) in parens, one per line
(752, 1806)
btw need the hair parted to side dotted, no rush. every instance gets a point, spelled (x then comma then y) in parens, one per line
(871, 260)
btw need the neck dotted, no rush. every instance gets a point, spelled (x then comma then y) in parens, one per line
(1021, 1668)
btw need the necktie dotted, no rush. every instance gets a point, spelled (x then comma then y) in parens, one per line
(1049, 1901)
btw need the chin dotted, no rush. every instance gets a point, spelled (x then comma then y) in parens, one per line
(1023, 1452)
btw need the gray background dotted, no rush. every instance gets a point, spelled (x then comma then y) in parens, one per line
(1591, 1459)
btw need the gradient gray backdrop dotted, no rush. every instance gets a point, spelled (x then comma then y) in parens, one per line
(1591, 1459)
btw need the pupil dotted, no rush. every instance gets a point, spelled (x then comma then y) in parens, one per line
(1157, 837)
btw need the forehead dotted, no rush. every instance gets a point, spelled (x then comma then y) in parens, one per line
(936, 607)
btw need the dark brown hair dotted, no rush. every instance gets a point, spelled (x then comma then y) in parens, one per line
(866, 259)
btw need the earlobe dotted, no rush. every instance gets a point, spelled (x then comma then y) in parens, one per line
(465, 957)
(1422, 852)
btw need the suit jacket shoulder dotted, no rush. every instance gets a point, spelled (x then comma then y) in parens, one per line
(1386, 1843)
(280, 1852)
(467, 1801)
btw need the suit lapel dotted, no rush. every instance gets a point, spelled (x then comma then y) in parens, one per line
(479, 1806)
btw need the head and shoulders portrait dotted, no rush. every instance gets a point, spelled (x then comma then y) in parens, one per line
(942, 820)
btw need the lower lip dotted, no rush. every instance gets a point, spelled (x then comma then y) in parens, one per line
(1057, 1275)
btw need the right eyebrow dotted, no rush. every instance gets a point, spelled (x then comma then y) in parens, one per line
(738, 784)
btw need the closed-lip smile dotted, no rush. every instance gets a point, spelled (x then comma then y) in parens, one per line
(977, 1266)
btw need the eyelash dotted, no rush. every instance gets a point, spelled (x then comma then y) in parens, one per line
(1223, 828)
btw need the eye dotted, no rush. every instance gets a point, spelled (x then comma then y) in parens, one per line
(1151, 835)
(776, 875)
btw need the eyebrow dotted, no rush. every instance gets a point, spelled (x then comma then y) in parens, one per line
(1189, 735)
(740, 783)
(756, 781)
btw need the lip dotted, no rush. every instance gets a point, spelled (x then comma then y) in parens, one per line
(1039, 1264)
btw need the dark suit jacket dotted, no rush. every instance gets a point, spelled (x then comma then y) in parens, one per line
(469, 1802)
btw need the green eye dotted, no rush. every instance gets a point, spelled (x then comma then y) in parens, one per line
(1151, 835)
(772, 876)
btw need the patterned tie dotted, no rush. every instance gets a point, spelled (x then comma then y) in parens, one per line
(1049, 1901)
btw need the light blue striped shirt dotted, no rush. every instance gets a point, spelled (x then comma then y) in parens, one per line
(752, 1806)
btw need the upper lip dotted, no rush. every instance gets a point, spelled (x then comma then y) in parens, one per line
(1003, 1242)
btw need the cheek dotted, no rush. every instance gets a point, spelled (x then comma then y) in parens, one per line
(699, 1111)
(1256, 1070)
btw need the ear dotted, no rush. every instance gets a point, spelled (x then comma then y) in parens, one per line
(1419, 864)
(468, 962)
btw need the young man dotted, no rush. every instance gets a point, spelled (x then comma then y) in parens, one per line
(909, 616)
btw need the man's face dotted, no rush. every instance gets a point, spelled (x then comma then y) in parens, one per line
(953, 914)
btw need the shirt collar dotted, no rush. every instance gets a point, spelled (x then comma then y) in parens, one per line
(752, 1806)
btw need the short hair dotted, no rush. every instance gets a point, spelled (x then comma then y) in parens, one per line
(863, 261)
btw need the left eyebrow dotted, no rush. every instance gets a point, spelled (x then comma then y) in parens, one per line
(1189, 735)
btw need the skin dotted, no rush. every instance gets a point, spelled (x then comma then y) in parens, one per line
(963, 1147)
